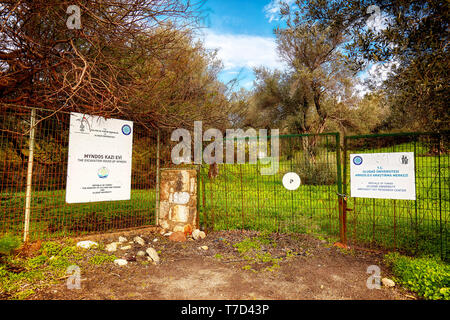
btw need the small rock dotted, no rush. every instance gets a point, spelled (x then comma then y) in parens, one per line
(168, 234)
(112, 247)
(122, 239)
(139, 240)
(140, 253)
(388, 282)
(204, 247)
(195, 234)
(187, 229)
(87, 244)
(177, 236)
(153, 254)
(125, 248)
(321, 286)
(202, 235)
(155, 240)
(120, 262)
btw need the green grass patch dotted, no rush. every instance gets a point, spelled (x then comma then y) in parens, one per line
(241, 198)
(8, 243)
(427, 276)
(102, 258)
(50, 263)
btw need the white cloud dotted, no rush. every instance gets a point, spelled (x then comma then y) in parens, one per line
(244, 51)
(377, 73)
(272, 9)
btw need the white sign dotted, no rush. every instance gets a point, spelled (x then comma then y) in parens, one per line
(99, 164)
(383, 175)
(291, 181)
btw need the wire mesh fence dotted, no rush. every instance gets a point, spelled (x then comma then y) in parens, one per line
(232, 196)
(49, 215)
(419, 226)
(240, 197)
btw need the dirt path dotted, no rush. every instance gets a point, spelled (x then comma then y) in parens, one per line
(316, 271)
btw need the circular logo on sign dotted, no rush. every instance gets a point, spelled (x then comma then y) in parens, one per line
(291, 181)
(126, 129)
(103, 172)
(357, 160)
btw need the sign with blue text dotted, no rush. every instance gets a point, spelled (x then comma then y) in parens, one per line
(383, 175)
(99, 163)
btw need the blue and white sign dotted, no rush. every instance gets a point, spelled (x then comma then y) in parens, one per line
(99, 164)
(383, 175)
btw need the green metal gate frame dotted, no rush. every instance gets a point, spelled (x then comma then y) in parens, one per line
(440, 163)
(210, 193)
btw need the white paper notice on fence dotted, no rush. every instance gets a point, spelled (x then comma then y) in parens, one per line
(383, 175)
(99, 164)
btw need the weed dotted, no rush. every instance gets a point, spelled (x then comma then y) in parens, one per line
(8, 243)
(102, 258)
(427, 276)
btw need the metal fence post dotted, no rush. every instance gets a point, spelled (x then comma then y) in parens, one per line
(157, 178)
(29, 175)
(342, 199)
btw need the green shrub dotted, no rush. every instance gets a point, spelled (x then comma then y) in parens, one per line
(8, 243)
(427, 276)
(316, 174)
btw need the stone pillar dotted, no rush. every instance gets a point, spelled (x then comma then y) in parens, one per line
(178, 199)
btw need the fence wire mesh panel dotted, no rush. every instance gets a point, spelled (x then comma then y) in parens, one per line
(50, 216)
(419, 226)
(240, 197)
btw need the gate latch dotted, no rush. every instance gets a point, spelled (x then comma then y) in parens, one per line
(344, 197)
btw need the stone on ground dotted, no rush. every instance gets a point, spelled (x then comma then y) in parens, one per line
(122, 239)
(177, 236)
(112, 247)
(196, 234)
(139, 240)
(140, 253)
(187, 229)
(202, 235)
(153, 254)
(388, 282)
(87, 244)
(120, 262)
(125, 248)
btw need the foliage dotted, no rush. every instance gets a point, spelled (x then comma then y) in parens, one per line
(51, 262)
(8, 243)
(316, 174)
(136, 59)
(252, 250)
(409, 37)
(427, 276)
(102, 258)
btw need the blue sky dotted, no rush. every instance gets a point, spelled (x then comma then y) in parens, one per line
(242, 31)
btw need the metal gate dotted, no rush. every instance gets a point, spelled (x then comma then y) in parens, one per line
(412, 226)
(239, 197)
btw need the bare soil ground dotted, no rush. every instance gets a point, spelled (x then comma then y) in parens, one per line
(317, 270)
